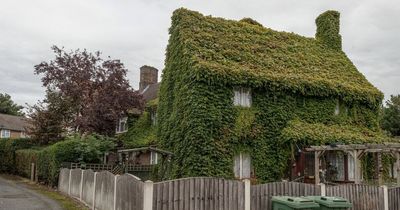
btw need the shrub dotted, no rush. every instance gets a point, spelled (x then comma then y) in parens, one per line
(7, 152)
(84, 149)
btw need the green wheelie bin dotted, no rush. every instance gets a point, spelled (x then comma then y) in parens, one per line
(289, 203)
(331, 203)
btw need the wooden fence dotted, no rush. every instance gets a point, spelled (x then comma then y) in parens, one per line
(106, 191)
(261, 194)
(394, 198)
(363, 197)
(199, 194)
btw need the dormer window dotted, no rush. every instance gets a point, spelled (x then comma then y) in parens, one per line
(122, 125)
(242, 97)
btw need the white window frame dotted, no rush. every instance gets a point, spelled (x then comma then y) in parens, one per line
(122, 129)
(241, 166)
(337, 108)
(153, 158)
(5, 133)
(242, 97)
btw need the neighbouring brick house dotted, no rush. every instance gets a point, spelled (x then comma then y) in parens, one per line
(137, 130)
(12, 126)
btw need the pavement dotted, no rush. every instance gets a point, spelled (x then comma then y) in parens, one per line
(16, 196)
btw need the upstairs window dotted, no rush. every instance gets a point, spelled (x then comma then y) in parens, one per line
(5, 134)
(153, 117)
(242, 166)
(122, 125)
(242, 97)
(337, 108)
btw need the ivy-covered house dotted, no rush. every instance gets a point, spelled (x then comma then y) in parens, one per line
(137, 131)
(238, 99)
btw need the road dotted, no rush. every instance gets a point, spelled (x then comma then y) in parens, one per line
(15, 196)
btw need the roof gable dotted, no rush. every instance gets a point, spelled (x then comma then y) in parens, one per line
(241, 53)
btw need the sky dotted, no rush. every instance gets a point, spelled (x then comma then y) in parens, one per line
(136, 32)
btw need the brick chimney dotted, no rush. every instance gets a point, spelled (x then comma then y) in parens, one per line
(148, 76)
(328, 26)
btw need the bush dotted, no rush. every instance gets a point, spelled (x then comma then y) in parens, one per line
(23, 160)
(7, 152)
(83, 149)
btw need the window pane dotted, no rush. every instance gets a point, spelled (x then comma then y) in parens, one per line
(246, 163)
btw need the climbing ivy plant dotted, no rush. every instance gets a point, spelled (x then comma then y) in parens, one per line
(296, 84)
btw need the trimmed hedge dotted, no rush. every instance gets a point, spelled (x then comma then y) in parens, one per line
(84, 149)
(7, 152)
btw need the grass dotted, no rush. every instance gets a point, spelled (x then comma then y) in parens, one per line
(65, 202)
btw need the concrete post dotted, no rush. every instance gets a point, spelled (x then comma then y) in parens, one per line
(81, 186)
(316, 170)
(323, 189)
(115, 191)
(148, 195)
(398, 168)
(32, 172)
(385, 197)
(247, 194)
(94, 191)
(69, 182)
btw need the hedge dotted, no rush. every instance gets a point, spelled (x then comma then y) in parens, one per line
(7, 152)
(84, 149)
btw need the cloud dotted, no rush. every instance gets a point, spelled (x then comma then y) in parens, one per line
(136, 32)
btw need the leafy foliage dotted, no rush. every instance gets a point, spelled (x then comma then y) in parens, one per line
(141, 132)
(391, 116)
(95, 92)
(7, 152)
(7, 106)
(291, 77)
(48, 119)
(328, 26)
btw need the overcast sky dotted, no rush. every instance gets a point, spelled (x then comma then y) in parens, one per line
(136, 32)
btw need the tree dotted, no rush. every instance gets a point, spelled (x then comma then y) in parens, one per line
(47, 119)
(7, 106)
(93, 93)
(391, 116)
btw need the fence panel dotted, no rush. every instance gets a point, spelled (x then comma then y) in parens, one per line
(104, 190)
(76, 176)
(129, 193)
(63, 181)
(199, 194)
(87, 187)
(363, 197)
(261, 194)
(394, 197)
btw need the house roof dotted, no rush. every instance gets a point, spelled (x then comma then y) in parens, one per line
(11, 122)
(151, 92)
(246, 53)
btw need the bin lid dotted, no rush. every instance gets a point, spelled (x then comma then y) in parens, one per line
(333, 202)
(295, 202)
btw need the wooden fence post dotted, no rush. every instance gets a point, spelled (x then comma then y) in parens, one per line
(148, 195)
(247, 192)
(385, 197)
(94, 191)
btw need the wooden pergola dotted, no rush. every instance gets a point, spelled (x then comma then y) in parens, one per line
(357, 151)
